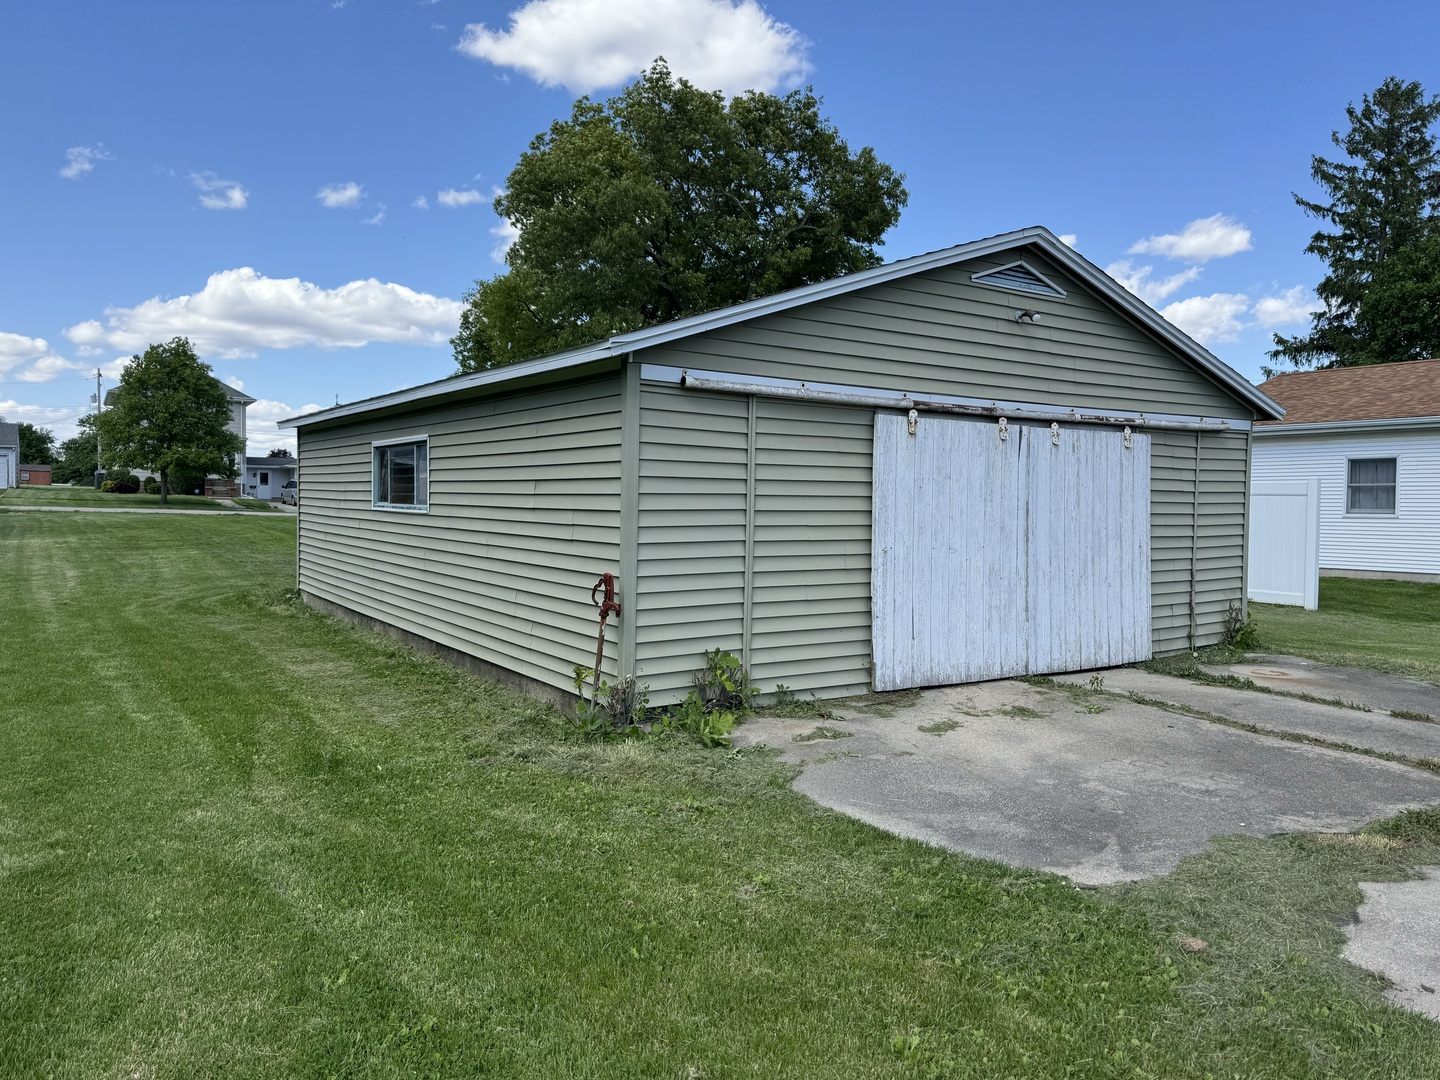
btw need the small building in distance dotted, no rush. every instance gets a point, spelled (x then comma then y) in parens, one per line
(9, 454)
(34, 475)
(265, 476)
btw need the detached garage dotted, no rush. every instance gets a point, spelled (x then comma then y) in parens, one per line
(987, 461)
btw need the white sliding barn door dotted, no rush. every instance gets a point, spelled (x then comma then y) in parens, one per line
(992, 558)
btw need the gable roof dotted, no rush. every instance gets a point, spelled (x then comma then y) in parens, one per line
(1037, 236)
(230, 392)
(1353, 394)
(10, 435)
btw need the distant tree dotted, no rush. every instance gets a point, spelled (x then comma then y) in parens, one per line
(169, 415)
(666, 201)
(279, 451)
(77, 463)
(37, 445)
(1382, 202)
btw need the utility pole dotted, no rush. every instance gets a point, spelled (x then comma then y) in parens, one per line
(99, 407)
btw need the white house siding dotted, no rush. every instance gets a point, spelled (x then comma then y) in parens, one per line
(1406, 542)
(524, 516)
(8, 466)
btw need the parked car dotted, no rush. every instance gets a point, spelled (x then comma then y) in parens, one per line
(290, 492)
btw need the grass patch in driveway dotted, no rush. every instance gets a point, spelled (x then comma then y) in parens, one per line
(1186, 665)
(1389, 626)
(1272, 915)
(241, 839)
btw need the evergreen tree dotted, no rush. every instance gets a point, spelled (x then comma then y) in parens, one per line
(1382, 202)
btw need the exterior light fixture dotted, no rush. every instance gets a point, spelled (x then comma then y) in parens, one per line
(1028, 315)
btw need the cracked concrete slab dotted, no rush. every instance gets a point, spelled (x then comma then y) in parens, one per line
(1296, 674)
(1397, 934)
(1092, 786)
(1377, 731)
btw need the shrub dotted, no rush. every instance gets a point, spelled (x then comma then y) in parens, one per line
(152, 486)
(123, 480)
(1240, 632)
(107, 486)
(723, 683)
(617, 709)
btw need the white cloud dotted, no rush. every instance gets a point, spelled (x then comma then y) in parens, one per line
(456, 199)
(1209, 319)
(378, 219)
(340, 196)
(241, 311)
(1200, 241)
(261, 431)
(729, 45)
(1292, 306)
(421, 203)
(1069, 239)
(232, 381)
(62, 420)
(27, 359)
(79, 160)
(506, 234)
(1139, 281)
(218, 194)
(17, 349)
(50, 367)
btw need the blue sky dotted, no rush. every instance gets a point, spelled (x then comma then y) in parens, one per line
(303, 187)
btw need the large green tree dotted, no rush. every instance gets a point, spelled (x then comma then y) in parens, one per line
(168, 415)
(1383, 203)
(37, 445)
(666, 201)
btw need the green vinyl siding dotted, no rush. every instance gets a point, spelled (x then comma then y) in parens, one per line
(1203, 538)
(804, 473)
(524, 516)
(939, 332)
(689, 593)
(810, 601)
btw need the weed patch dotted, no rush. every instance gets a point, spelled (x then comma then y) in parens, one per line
(939, 727)
(820, 734)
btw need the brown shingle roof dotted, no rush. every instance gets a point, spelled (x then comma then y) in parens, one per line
(1372, 392)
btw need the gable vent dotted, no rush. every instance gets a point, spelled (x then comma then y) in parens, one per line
(1019, 277)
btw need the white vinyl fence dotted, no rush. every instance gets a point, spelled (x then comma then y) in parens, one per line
(1285, 543)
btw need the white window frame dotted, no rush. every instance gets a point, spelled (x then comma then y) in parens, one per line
(398, 508)
(1350, 511)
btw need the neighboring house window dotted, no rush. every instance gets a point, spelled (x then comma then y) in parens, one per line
(1372, 486)
(401, 475)
(264, 478)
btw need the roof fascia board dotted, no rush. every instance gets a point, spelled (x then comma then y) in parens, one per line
(558, 362)
(1345, 427)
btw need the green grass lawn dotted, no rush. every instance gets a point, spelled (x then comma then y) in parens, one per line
(84, 496)
(1390, 626)
(241, 839)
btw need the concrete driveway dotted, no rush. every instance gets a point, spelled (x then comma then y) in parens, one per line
(1098, 787)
